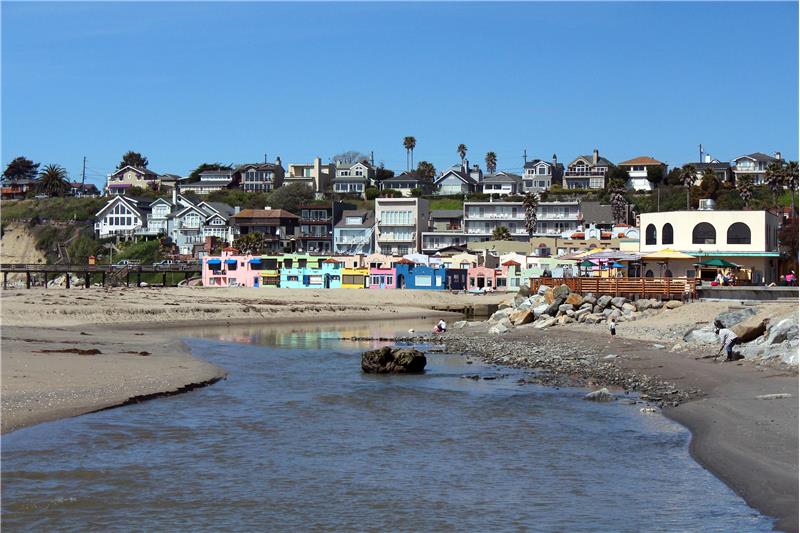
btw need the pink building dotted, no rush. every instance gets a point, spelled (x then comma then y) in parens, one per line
(382, 278)
(481, 278)
(231, 270)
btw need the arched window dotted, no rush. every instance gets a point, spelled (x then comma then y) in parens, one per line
(650, 234)
(666, 234)
(738, 233)
(704, 233)
(668, 273)
(648, 274)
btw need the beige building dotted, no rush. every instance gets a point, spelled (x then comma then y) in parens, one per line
(127, 177)
(746, 238)
(399, 223)
(315, 175)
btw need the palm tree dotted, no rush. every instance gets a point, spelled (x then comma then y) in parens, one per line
(462, 152)
(53, 180)
(618, 206)
(531, 204)
(791, 181)
(776, 179)
(501, 233)
(709, 184)
(688, 175)
(491, 162)
(409, 143)
(744, 186)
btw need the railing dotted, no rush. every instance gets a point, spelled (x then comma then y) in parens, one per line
(682, 288)
(584, 173)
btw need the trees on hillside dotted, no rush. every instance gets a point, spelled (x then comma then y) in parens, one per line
(616, 178)
(709, 184)
(133, 159)
(426, 172)
(251, 243)
(290, 197)
(655, 174)
(409, 143)
(744, 186)
(349, 157)
(619, 206)
(53, 181)
(491, 162)
(531, 204)
(20, 168)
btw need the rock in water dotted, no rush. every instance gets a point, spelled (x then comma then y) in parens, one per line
(601, 395)
(389, 360)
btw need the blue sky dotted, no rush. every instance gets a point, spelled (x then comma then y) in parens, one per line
(185, 83)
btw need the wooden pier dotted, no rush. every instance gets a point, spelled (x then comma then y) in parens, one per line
(108, 273)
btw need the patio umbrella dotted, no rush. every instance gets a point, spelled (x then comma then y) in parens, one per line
(616, 265)
(666, 254)
(719, 263)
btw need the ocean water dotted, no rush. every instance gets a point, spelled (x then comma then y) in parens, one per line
(298, 439)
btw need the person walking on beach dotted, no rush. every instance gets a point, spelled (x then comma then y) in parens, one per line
(728, 338)
(612, 327)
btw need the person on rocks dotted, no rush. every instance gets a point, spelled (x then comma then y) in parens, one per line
(728, 339)
(612, 327)
(440, 327)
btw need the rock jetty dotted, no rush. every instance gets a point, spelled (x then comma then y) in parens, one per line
(389, 360)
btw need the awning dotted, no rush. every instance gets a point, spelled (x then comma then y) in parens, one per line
(719, 262)
(255, 261)
(231, 261)
(214, 262)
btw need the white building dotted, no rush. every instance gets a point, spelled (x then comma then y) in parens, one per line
(637, 169)
(754, 165)
(746, 238)
(502, 183)
(539, 175)
(399, 223)
(121, 216)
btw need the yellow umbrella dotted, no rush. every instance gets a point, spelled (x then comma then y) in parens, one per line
(667, 254)
(590, 252)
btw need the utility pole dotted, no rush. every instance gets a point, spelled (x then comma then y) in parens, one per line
(371, 158)
(83, 176)
(265, 159)
(524, 157)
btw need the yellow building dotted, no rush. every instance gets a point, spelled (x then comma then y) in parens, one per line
(355, 278)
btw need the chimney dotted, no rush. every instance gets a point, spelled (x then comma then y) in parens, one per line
(555, 160)
(707, 158)
(465, 166)
(595, 156)
(175, 193)
(278, 161)
(236, 210)
(778, 156)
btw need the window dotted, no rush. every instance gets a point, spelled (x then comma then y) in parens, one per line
(739, 233)
(704, 233)
(648, 274)
(650, 236)
(389, 280)
(666, 234)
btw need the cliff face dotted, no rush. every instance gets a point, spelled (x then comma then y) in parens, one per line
(18, 245)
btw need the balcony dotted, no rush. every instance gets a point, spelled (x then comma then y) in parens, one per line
(585, 174)
(391, 237)
(352, 241)
(559, 216)
(495, 216)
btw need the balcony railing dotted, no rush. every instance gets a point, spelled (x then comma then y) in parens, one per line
(495, 216)
(352, 241)
(396, 238)
(584, 173)
(558, 216)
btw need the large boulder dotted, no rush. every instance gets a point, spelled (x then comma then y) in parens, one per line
(563, 308)
(535, 300)
(656, 304)
(618, 301)
(548, 296)
(565, 319)
(586, 305)
(628, 308)
(598, 308)
(582, 312)
(524, 291)
(589, 299)
(701, 335)
(643, 304)
(522, 316)
(562, 291)
(574, 299)
(498, 329)
(552, 310)
(602, 395)
(594, 318)
(460, 324)
(388, 360)
(542, 289)
(545, 322)
(750, 329)
(501, 314)
(673, 304)
(505, 304)
(539, 310)
(603, 301)
(782, 330)
(733, 316)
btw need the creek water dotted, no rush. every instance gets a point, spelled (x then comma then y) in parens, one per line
(298, 439)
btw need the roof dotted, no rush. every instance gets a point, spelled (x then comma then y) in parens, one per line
(218, 171)
(601, 161)
(405, 176)
(463, 176)
(447, 213)
(719, 165)
(264, 213)
(140, 170)
(597, 213)
(758, 156)
(257, 166)
(502, 177)
(341, 179)
(642, 160)
(366, 216)
(222, 208)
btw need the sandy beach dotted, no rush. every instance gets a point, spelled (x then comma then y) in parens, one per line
(69, 352)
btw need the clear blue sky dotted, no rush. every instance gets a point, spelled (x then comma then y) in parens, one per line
(185, 83)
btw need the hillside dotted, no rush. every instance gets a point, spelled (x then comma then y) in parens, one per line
(18, 245)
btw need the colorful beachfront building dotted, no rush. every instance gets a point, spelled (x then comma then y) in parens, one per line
(229, 269)
(382, 278)
(355, 278)
(481, 278)
(304, 273)
(413, 276)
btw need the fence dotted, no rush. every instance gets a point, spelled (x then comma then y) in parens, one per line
(682, 288)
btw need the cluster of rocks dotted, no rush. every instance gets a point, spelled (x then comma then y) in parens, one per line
(552, 306)
(553, 362)
(760, 338)
(388, 360)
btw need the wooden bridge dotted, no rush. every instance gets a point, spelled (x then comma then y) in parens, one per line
(666, 288)
(108, 273)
